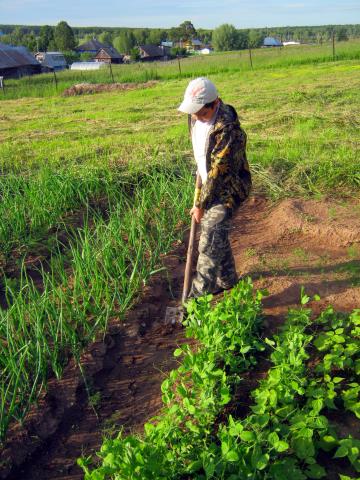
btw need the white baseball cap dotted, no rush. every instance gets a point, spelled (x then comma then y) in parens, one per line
(199, 92)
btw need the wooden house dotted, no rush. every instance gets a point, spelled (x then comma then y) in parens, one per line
(108, 55)
(17, 62)
(193, 45)
(150, 53)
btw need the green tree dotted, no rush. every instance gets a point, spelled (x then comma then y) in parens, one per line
(106, 38)
(134, 54)
(187, 30)
(124, 42)
(225, 37)
(204, 35)
(156, 36)
(64, 37)
(256, 39)
(141, 36)
(174, 34)
(242, 40)
(29, 41)
(85, 38)
(46, 36)
(6, 39)
(86, 57)
(341, 34)
(71, 57)
(178, 52)
(320, 37)
(17, 36)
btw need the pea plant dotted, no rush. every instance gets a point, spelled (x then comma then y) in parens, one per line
(288, 432)
(182, 439)
(288, 426)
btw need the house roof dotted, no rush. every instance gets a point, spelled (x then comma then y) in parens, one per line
(51, 59)
(152, 50)
(196, 42)
(12, 57)
(110, 51)
(92, 45)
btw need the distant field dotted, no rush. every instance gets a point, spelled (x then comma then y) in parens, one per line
(130, 152)
(44, 85)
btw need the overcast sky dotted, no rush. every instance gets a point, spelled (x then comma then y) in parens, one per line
(167, 13)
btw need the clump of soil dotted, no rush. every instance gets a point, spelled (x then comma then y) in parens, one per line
(283, 247)
(89, 88)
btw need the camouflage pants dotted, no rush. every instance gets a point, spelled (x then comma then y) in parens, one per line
(215, 267)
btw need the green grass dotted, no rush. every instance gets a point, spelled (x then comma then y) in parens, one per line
(302, 123)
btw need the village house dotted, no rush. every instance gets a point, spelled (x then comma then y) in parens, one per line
(193, 45)
(17, 62)
(51, 61)
(92, 46)
(108, 55)
(149, 53)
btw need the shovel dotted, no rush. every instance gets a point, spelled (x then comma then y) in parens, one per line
(175, 315)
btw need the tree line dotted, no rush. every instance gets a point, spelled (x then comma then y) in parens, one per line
(226, 37)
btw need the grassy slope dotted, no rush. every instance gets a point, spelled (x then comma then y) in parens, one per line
(302, 124)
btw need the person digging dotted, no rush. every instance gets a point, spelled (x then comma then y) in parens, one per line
(223, 183)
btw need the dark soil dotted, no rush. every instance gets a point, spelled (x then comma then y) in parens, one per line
(284, 247)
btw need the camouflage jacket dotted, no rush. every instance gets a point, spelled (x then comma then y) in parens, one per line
(229, 180)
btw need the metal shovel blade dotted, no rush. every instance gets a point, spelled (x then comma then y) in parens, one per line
(174, 315)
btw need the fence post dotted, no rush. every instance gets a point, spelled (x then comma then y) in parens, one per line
(111, 73)
(250, 57)
(179, 65)
(333, 44)
(2, 84)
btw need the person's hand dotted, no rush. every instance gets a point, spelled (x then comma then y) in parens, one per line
(198, 213)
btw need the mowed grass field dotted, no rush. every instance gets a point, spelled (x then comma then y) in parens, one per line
(122, 161)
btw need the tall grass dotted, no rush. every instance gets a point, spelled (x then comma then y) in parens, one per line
(105, 270)
(230, 62)
(31, 204)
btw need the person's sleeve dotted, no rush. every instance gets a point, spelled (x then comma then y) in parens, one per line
(221, 163)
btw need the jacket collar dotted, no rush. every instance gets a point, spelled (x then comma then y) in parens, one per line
(226, 115)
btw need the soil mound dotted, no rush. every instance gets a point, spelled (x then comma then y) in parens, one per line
(284, 247)
(89, 88)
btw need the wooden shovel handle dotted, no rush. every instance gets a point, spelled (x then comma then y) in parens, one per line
(190, 251)
(187, 276)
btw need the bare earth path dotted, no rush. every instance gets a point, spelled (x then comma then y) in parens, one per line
(293, 244)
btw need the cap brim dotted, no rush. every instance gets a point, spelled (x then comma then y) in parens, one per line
(190, 107)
